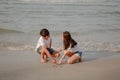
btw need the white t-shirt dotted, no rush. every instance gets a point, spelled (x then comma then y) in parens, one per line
(73, 49)
(42, 42)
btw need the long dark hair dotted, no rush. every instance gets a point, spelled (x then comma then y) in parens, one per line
(67, 40)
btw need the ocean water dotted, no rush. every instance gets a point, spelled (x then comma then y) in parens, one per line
(94, 24)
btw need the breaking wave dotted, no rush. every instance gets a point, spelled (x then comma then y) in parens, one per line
(85, 46)
(2, 31)
(60, 1)
(100, 46)
(16, 47)
(114, 13)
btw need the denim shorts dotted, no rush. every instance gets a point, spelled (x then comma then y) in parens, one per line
(38, 49)
(78, 53)
(51, 51)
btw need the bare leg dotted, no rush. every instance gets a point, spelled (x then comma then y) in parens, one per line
(43, 57)
(44, 51)
(56, 55)
(73, 59)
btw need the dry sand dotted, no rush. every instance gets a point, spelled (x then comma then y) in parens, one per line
(24, 65)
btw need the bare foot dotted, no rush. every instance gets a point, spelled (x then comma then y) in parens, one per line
(54, 61)
(79, 60)
(43, 61)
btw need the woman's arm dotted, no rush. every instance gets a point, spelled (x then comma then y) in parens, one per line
(60, 61)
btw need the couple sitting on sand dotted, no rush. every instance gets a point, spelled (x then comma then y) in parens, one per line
(70, 48)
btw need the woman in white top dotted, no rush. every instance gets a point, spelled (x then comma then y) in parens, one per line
(71, 49)
(44, 47)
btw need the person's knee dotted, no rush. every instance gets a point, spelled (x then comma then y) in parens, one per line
(57, 55)
(70, 62)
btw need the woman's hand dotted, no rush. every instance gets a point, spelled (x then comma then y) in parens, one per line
(54, 61)
(59, 62)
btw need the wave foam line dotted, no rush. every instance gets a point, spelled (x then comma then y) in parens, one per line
(85, 46)
(2, 30)
(59, 1)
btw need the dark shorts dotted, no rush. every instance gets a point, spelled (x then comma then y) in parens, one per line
(78, 53)
(51, 51)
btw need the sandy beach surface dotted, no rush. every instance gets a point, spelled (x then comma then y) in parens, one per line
(25, 65)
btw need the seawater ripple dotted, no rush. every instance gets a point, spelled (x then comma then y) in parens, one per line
(85, 46)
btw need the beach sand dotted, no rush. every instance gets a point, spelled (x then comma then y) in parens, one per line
(25, 65)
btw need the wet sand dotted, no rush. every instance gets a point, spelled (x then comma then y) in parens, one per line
(25, 65)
